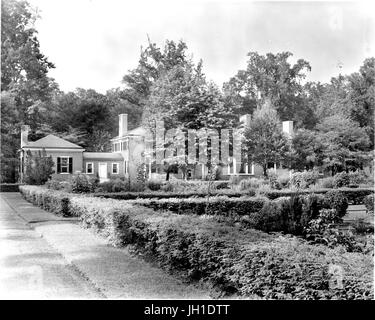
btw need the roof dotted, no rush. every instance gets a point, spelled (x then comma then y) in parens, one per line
(102, 156)
(52, 141)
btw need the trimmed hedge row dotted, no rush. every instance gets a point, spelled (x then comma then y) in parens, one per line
(167, 195)
(218, 205)
(247, 262)
(57, 202)
(354, 195)
(9, 187)
(286, 214)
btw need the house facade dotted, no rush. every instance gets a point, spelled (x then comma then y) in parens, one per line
(130, 149)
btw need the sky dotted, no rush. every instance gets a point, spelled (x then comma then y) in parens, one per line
(94, 43)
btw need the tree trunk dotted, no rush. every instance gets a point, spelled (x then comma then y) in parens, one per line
(265, 171)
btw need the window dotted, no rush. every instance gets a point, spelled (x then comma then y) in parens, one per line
(64, 165)
(115, 168)
(89, 168)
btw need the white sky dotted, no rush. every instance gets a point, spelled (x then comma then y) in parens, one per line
(93, 43)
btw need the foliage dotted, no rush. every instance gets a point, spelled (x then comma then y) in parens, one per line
(26, 90)
(327, 182)
(336, 200)
(38, 167)
(9, 187)
(233, 260)
(264, 142)
(304, 179)
(341, 179)
(81, 183)
(272, 77)
(154, 184)
(322, 230)
(369, 203)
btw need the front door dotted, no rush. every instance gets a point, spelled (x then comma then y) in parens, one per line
(103, 173)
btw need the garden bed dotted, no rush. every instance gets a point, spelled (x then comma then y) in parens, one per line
(236, 260)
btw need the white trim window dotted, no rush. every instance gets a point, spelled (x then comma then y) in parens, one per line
(64, 165)
(89, 168)
(115, 168)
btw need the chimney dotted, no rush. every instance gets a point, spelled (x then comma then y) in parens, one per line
(288, 128)
(245, 119)
(123, 124)
(24, 135)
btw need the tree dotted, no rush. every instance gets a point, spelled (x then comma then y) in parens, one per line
(38, 167)
(264, 141)
(273, 77)
(345, 144)
(307, 150)
(24, 80)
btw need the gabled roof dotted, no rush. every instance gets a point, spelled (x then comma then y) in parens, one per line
(102, 156)
(52, 141)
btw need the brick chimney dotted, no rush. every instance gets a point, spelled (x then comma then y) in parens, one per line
(123, 124)
(288, 128)
(24, 135)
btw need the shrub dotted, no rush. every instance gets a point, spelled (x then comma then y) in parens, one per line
(356, 178)
(252, 183)
(341, 179)
(154, 185)
(336, 200)
(119, 185)
(283, 182)
(322, 230)
(9, 187)
(369, 203)
(167, 187)
(38, 167)
(274, 181)
(303, 179)
(246, 262)
(327, 182)
(54, 184)
(230, 207)
(81, 184)
(53, 201)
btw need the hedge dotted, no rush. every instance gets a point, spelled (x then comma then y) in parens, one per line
(354, 195)
(9, 187)
(167, 195)
(218, 205)
(57, 202)
(235, 260)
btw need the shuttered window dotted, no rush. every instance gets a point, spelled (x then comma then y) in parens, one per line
(64, 165)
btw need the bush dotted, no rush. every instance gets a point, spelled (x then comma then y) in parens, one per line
(82, 184)
(221, 206)
(274, 181)
(303, 179)
(341, 179)
(252, 183)
(246, 262)
(369, 203)
(336, 200)
(9, 187)
(53, 201)
(323, 231)
(327, 182)
(356, 178)
(154, 185)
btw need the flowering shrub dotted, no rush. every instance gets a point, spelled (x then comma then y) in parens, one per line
(80, 183)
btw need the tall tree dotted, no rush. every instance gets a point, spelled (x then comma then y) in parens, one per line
(23, 76)
(273, 77)
(264, 142)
